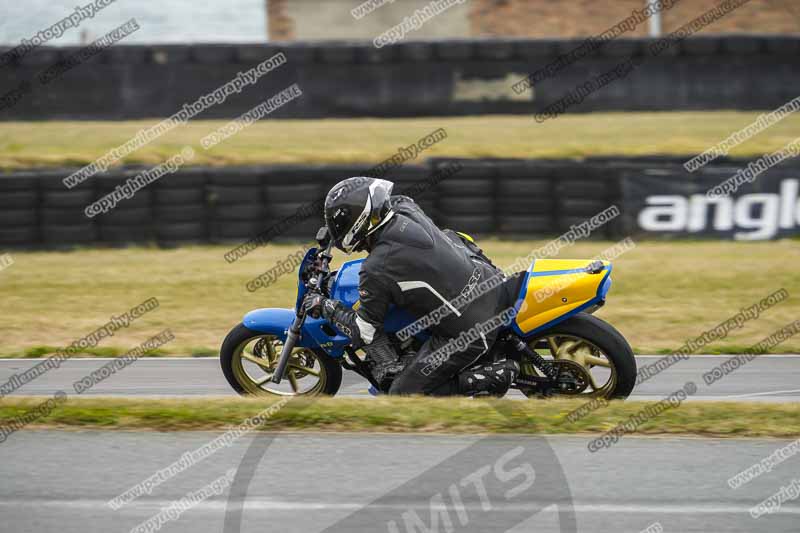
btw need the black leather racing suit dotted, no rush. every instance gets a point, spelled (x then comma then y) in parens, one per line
(418, 267)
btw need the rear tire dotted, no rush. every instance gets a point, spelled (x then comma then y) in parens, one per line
(606, 338)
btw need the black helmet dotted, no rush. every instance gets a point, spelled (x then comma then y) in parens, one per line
(355, 208)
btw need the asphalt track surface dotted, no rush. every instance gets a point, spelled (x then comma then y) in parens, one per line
(61, 481)
(771, 378)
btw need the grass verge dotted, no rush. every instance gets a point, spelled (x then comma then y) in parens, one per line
(52, 143)
(708, 419)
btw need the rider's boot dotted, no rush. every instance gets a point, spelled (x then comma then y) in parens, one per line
(488, 379)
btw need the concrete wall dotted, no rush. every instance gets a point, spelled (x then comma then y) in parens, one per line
(331, 19)
(581, 18)
(315, 20)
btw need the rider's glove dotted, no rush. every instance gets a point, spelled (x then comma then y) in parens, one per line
(317, 305)
(312, 304)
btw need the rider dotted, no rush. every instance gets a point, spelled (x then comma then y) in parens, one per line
(418, 267)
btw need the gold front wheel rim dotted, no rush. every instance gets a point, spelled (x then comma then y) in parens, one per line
(254, 362)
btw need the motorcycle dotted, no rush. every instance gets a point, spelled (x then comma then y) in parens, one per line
(562, 349)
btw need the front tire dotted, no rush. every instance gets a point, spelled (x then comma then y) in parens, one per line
(248, 359)
(593, 344)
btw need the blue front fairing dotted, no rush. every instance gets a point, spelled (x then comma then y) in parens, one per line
(345, 284)
(345, 289)
(301, 288)
(278, 321)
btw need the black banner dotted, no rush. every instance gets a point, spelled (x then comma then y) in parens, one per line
(719, 202)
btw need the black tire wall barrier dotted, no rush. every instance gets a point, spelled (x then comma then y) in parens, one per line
(344, 79)
(509, 198)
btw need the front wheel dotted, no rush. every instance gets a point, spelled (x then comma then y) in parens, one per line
(249, 358)
(597, 359)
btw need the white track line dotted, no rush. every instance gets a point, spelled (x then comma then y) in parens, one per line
(721, 356)
(255, 504)
(795, 391)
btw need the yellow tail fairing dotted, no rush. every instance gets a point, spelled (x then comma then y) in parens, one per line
(555, 289)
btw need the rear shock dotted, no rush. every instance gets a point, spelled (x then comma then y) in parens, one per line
(539, 362)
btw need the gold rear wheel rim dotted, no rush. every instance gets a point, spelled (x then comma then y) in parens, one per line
(588, 355)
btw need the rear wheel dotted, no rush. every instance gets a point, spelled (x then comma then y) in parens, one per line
(595, 356)
(249, 358)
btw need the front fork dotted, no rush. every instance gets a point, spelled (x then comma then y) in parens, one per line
(291, 339)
